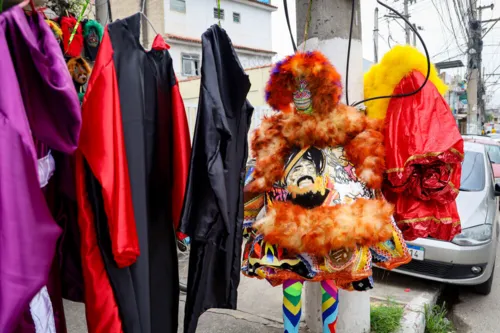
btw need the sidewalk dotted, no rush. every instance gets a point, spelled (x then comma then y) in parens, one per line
(260, 306)
(411, 293)
(259, 311)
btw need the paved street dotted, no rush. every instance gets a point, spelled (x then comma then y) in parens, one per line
(474, 313)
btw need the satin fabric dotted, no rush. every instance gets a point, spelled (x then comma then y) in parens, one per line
(101, 143)
(102, 146)
(100, 304)
(135, 93)
(38, 101)
(424, 151)
(213, 209)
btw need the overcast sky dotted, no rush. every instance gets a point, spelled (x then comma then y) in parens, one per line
(440, 39)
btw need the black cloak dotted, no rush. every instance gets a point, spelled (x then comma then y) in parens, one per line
(213, 206)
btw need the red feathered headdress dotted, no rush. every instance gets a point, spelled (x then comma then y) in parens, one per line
(314, 68)
(76, 47)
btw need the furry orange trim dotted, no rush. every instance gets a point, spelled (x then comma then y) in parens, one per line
(367, 152)
(320, 230)
(79, 70)
(322, 79)
(272, 141)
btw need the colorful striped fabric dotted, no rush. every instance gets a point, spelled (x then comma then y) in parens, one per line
(292, 305)
(330, 302)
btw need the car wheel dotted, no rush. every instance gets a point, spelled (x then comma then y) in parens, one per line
(485, 288)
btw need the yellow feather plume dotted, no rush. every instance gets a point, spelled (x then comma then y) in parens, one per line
(382, 78)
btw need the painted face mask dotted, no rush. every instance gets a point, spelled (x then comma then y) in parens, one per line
(302, 98)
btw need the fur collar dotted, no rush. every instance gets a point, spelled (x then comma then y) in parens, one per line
(278, 134)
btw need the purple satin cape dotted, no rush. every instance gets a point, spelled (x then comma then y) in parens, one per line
(37, 99)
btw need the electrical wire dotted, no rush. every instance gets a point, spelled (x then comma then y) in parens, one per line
(443, 21)
(426, 54)
(349, 53)
(285, 7)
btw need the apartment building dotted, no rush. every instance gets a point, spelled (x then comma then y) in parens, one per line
(182, 22)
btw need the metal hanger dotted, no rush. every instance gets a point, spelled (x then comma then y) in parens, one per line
(144, 15)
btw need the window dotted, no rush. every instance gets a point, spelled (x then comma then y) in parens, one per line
(178, 5)
(473, 172)
(216, 13)
(236, 18)
(190, 65)
(493, 153)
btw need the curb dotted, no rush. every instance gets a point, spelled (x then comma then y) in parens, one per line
(413, 320)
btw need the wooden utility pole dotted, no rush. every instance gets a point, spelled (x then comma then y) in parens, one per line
(330, 35)
(375, 36)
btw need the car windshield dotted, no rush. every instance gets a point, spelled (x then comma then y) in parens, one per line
(493, 153)
(473, 174)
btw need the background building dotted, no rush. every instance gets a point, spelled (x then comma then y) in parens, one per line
(182, 22)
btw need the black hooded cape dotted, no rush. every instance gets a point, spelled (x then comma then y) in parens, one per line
(213, 206)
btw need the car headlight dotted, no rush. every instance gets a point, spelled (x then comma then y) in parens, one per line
(474, 236)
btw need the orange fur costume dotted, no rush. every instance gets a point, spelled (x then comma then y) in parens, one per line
(331, 124)
(321, 229)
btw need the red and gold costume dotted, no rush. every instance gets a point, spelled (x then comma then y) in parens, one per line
(424, 148)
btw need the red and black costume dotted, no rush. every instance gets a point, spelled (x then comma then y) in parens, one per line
(132, 167)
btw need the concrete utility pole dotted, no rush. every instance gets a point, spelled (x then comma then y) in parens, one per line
(481, 87)
(375, 36)
(407, 26)
(474, 49)
(329, 33)
(475, 86)
(414, 35)
(103, 11)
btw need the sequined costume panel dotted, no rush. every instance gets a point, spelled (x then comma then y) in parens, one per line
(335, 182)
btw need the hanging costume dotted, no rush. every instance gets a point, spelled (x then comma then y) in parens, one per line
(313, 207)
(132, 166)
(75, 48)
(38, 105)
(92, 34)
(213, 209)
(79, 70)
(423, 165)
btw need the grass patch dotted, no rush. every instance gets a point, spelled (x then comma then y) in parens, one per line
(436, 321)
(385, 318)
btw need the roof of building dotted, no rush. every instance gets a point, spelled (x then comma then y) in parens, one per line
(198, 41)
(263, 3)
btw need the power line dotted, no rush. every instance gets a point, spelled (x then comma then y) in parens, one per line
(445, 25)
